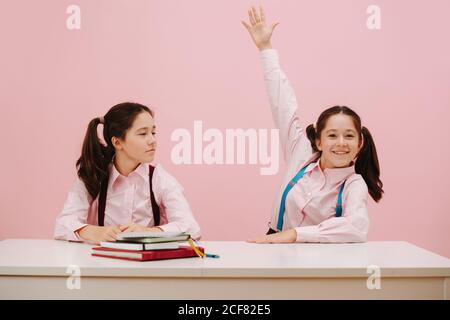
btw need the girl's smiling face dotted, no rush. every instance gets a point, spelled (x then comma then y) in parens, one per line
(339, 142)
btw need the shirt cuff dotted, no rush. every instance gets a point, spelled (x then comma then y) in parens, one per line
(266, 52)
(269, 59)
(75, 236)
(308, 234)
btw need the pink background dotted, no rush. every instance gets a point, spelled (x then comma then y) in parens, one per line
(193, 60)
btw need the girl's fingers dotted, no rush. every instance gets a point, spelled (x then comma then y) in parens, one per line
(116, 230)
(274, 26)
(112, 233)
(261, 239)
(267, 239)
(255, 15)
(246, 25)
(275, 238)
(263, 16)
(110, 237)
(250, 17)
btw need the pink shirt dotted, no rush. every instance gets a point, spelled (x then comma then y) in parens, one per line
(310, 205)
(128, 200)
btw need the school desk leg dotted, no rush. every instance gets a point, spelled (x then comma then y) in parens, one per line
(447, 289)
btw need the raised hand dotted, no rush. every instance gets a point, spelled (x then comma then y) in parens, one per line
(259, 31)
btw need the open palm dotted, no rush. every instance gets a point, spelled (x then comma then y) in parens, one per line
(258, 29)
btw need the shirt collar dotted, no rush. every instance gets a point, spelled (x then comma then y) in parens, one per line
(333, 174)
(114, 174)
(142, 170)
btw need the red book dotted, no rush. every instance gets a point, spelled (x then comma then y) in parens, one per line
(182, 252)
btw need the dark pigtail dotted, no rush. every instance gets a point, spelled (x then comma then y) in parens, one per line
(367, 165)
(311, 134)
(94, 160)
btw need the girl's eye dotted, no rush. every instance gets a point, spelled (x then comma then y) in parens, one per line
(142, 134)
(154, 133)
(332, 135)
(350, 136)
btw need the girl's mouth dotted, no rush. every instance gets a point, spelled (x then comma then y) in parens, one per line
(340, 153)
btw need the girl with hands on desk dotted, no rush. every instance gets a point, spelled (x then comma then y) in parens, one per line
(331, 167)
(118, 190)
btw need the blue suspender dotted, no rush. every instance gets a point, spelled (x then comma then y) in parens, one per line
(339, 201)
(288, 188)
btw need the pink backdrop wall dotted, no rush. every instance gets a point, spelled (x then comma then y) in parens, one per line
(193, 60)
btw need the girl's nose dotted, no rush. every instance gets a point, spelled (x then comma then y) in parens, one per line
(151, 139)
(341, 140)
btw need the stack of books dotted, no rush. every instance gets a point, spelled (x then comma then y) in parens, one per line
(144, 246)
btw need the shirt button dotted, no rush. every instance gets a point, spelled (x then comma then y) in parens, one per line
(309, 194)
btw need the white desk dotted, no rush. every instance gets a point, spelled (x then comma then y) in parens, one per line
(37, 269)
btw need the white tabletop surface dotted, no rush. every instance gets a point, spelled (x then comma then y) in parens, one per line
(237, 259)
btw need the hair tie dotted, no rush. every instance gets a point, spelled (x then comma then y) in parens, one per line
(102, 120)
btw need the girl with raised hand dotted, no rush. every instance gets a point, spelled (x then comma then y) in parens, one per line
(118, 190)
(331, 166)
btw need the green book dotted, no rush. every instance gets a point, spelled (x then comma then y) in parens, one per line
(152, 237)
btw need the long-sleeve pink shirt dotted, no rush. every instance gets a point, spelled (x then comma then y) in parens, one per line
(310, 205)
(128, 201)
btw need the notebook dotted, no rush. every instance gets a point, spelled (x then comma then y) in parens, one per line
(154, 240)
(140, 246)
(150, 234)
(182, 252)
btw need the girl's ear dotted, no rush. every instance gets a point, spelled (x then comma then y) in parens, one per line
(116, 143)
(319, 147)
(361, 143)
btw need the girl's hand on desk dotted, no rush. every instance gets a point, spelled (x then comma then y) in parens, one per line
(133, 227)
(154, 229)
(288, 236)
(98, 234)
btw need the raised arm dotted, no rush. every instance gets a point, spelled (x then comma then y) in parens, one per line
(281, 95)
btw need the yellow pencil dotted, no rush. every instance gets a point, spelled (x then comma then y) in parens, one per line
(197, 251)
